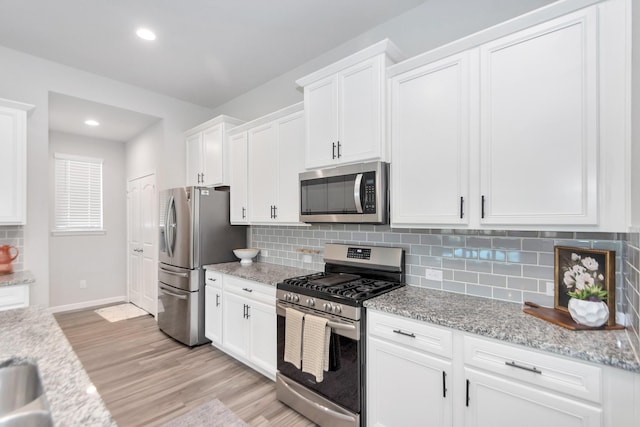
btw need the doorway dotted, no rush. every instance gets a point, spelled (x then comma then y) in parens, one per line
(142, 243)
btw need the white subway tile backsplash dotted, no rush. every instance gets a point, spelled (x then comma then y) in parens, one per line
(511, 266)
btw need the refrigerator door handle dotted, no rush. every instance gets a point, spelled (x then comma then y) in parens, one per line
(164, 290)
(173, 273)
(170, 226)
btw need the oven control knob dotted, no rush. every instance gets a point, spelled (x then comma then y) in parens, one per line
(287, 297)
(327, 306)
(311, 302)
(295, 298)
(337, 309)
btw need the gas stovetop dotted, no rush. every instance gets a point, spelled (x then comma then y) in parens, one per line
(348, 289)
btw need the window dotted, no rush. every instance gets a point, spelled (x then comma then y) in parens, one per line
(78, 194)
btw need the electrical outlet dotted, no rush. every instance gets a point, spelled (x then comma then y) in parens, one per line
(550, 289)
(306, 258)
(430, 274)
(83, 284)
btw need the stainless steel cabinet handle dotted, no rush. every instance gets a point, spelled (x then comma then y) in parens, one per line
(247, 290)
(406, 334)
(526, 368)
(333, 150)
(211, 279)
(444, 384)
(248, 315)
(244, 212)
(461, 207)
(339, 155)
(217, 300)
(275, 212)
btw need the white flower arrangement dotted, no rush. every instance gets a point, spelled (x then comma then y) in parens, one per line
(583, 278)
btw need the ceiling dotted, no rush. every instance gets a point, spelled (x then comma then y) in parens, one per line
(67, 114)
(207, 51)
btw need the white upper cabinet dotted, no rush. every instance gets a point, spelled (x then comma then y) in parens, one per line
(238, 178)
(208, 152)
(430, 150)
(539, 124)
(13, 162)
(344, 108)
(519, 129)
(276, 157)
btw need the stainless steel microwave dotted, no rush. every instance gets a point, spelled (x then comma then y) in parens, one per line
(346, 194)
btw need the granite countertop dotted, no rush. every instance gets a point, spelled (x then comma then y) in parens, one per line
(262, 272)
(507, 322)
(33, 334)
(17, 278)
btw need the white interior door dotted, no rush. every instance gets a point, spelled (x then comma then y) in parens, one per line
(143, 246)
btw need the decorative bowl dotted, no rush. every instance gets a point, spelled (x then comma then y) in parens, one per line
(246, 255)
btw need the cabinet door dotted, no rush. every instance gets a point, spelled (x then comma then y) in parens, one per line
(263, 174)
(291, 163)
(13, 166)
(497, 402)
(234, 324)
(213, 314)
(213, 160)
(539, 124)
(424, 397)
(238, 179)
(321, 112)
(360, 107)
(430, 143)
(262, 350)
(194, 159)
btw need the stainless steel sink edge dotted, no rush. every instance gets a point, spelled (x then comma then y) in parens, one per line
(35, 412)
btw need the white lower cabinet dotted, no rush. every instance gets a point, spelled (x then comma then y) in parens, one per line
(240, 319)
(422, 399)
(408, 372)
(213, 307)
(495, 401)
(16, 296)
(424, 375)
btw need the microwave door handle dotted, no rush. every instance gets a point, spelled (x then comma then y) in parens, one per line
(356, 193)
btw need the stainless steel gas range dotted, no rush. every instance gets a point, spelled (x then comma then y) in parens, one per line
(352, 275)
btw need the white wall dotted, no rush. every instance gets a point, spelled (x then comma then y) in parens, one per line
(98, 259)
(635, 115)
(143, 154)
(29, 79)
(430, 25)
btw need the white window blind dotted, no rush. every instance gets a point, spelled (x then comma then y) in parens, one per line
(78, 193)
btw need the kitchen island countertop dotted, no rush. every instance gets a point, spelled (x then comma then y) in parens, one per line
(23, 277)
(269, 274)
(33, 334)
(507, 322)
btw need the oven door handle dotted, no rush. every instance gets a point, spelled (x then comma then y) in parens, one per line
(332, 325)
(321, 408)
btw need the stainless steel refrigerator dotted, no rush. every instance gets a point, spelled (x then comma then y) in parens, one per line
(194, 231)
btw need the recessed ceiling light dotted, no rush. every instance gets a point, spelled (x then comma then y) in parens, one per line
(146, 34)
(91, 122)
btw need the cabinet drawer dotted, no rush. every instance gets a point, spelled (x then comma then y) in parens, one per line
(555, 373)
(213, 278)
(250, 289)
(14, 297)
(411, 333)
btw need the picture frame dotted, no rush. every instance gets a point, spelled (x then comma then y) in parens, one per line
(571, 263)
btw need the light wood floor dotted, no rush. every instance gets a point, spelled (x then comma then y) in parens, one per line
(146, 378)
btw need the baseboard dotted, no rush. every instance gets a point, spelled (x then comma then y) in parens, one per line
(87, 304)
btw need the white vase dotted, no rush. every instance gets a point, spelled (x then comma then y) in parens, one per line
(589, 313)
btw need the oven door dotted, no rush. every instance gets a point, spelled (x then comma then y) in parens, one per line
(342, 383)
